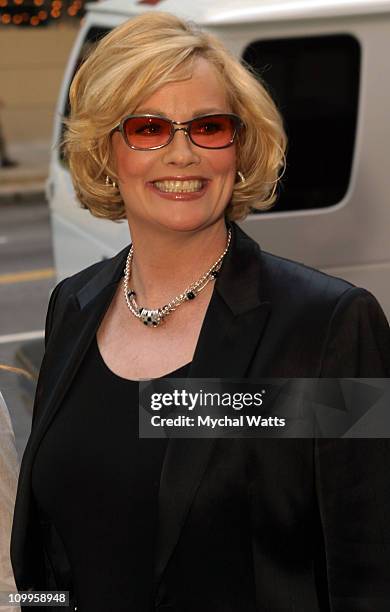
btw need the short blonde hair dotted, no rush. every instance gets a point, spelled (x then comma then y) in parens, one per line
(126, 67)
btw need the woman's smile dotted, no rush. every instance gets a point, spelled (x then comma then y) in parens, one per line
(180, 189)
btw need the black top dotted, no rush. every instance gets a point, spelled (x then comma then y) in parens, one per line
(98, 483)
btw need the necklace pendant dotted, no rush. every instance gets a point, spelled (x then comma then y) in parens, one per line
(152, 318)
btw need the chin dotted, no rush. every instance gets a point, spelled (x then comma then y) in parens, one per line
(186, 217)
(186, 224)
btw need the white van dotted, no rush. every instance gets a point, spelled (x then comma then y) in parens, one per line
(326, 64)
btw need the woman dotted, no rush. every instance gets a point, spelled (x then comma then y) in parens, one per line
(172, 134)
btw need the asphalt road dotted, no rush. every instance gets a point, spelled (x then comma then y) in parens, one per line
(26, 279)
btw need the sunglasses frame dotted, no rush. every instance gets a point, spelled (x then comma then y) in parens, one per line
(239, 124)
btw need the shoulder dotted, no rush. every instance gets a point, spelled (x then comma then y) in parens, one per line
(295, 285)
(340, 327)
(94, 277)
(76, 282)
(295, 280)
(104, 272)
(295, 291)
(346, 321)
(280, 279)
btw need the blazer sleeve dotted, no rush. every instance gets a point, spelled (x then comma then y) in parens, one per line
(50, 318)
(51, 309)
(353, 475)
(358, 338)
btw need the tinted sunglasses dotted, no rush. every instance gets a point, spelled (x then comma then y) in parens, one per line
(145, 132)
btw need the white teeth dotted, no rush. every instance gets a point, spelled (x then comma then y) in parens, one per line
(179, 186)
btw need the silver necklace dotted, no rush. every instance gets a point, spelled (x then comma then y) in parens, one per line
(154, 316)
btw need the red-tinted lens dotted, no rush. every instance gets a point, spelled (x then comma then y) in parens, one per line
(214, 131)
(146, 132)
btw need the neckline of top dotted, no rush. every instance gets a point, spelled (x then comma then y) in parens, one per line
(173, 374)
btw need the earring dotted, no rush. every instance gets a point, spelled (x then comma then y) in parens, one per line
(242, 177)
(110, 182)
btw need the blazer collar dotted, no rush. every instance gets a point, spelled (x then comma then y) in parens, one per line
(239, 284)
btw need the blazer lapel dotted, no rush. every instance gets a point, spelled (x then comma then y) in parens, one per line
(230, 334)
(237, 314)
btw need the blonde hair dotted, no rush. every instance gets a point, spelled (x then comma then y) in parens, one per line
(127, 66)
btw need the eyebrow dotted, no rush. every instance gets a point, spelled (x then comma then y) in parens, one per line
(200, 111)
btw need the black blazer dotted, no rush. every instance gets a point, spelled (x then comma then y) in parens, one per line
(244, 525)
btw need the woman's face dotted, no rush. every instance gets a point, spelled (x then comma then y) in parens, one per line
(137, 170)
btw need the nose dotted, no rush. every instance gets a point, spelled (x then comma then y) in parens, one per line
(181, 151)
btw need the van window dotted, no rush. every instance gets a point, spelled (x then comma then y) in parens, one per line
(93, 35)
(315, 83)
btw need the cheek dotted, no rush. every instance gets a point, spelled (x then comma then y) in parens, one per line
(225, 162)
(129, 164)
(130, 167)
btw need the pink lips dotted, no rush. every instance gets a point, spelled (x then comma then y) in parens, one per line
(195, 195)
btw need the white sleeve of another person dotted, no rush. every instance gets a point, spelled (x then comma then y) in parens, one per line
(9, 467)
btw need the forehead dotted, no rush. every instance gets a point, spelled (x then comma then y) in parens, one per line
(202, 93)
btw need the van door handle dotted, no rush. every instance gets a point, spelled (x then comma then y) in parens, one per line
(49, 190)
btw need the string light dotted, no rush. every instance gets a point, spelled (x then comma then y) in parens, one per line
(36, 12)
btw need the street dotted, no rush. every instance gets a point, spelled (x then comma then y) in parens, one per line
(26, 278)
